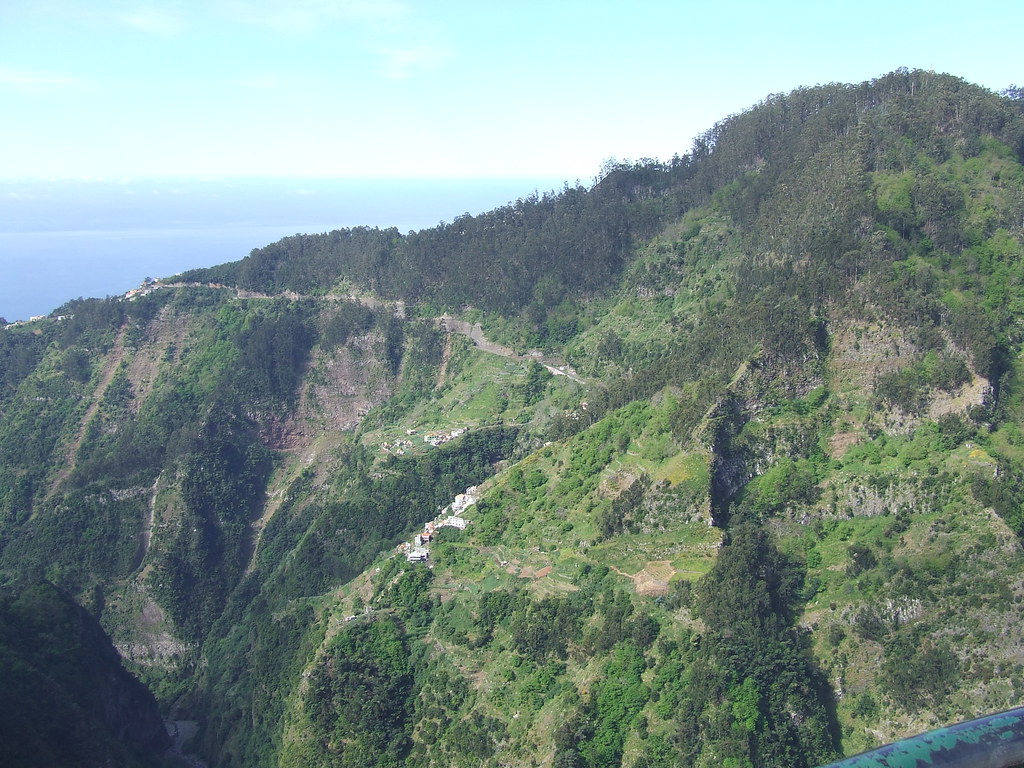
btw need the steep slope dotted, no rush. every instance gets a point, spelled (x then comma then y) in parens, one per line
(65, 698)
(772, 516)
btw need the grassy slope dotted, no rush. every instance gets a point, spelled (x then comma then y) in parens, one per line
(943, 573)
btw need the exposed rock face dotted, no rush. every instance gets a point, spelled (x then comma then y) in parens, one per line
(862, 351)
(151, 643)
(344, 384)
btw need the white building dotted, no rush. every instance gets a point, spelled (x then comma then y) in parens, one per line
(417, 555)
(462, 502)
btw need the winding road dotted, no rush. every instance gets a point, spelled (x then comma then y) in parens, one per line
(473, 331)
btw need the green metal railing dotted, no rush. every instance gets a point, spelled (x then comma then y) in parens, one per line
(995, 741)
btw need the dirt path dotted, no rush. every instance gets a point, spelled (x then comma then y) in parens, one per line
(653, 579)
(563, 370)
(475, 333)
(398, 307)
(110, 368)
(621, 572)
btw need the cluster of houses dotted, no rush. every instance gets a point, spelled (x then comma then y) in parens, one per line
(147, 287)
(404, 445)
(439, 438)
(417, 551)
(397, 448)
(34, 319)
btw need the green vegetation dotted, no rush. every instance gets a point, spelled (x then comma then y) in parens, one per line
(65, 698)
(757, 678)
(360, 694)
(909, 387)
(775, 518)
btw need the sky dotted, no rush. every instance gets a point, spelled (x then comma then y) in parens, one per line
(128, 89)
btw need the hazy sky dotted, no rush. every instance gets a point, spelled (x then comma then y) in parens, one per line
(404, 88)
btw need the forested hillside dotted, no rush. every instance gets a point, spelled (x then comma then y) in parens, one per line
(65, 698)
(742, 434)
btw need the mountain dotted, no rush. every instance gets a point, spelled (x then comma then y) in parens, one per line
(66, 699)
(741, 431)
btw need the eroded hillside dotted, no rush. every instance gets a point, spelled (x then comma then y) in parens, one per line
(742, 432)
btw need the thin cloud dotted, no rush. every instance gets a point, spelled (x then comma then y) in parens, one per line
(309, 15)
(378, 24)
(402, 63)
(257, 82)
(26, 78)
(165, 19)
(153, 21)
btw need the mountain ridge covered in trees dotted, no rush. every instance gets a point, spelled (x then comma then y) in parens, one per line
(541, 248)
(773, 517)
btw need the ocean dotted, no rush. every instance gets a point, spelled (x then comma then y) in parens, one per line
(64, 240)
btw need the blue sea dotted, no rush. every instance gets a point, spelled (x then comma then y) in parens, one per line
(63, 240)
